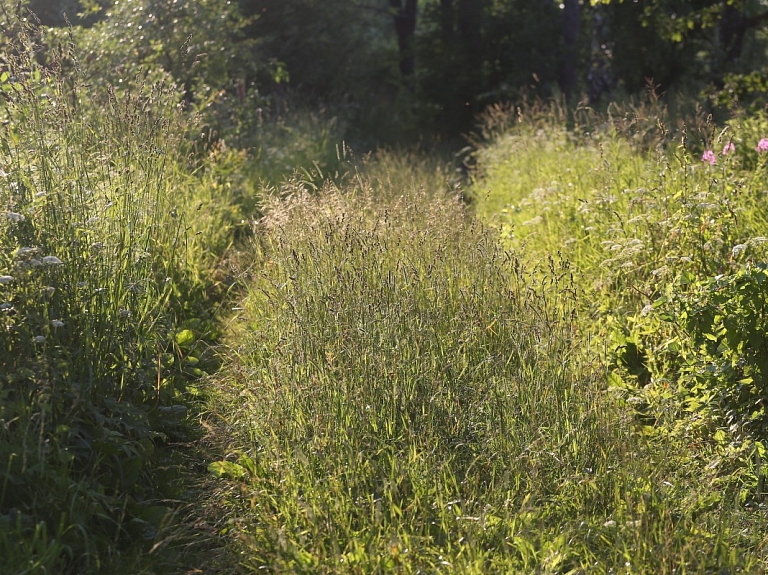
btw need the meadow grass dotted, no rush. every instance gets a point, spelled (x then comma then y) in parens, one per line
(406, 386)
(107, 242)
(407, 395)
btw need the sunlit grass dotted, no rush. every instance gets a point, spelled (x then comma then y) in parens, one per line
(410, 384)
(410, 396)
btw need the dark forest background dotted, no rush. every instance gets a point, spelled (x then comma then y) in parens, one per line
(395, 68)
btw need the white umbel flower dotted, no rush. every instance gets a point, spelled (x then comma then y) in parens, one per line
(14, 217)
(25, 251)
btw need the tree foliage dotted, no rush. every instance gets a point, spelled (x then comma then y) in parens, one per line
(431, 63)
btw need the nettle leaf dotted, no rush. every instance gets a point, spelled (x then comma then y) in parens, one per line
(185, 338)
(227, 469)
(249, 464)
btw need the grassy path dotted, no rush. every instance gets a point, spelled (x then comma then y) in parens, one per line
(566, 376)
(406, 395)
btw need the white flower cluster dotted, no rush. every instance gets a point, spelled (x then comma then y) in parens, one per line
(14, 218)
(26, 258)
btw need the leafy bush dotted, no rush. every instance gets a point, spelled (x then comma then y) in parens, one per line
(722, 353)
(197, 48)
(706, 336)
(199, 44)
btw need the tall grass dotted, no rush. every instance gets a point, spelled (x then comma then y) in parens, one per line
(98, 237)
(409, 397)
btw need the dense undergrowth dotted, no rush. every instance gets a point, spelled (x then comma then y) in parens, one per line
(556, 367)
(669, 245)
(107, 245)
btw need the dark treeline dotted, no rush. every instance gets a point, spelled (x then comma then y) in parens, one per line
(434, 64)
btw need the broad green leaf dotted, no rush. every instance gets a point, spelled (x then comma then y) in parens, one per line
(227, 469)
(185, 338)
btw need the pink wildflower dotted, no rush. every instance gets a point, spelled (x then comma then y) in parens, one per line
(729, 147)
(710, 158)
(762, 146)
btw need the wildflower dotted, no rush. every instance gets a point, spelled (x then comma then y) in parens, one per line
(762, 146)
(709, 157)
(738, 249)
(57, 323)
(40, 339)
(728, 148)
(533, 222)
(51, 261)
(15, 218)
(5, 280)
(23, 252)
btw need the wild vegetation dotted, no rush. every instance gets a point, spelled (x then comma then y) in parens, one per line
(412, 396)
(234, 341)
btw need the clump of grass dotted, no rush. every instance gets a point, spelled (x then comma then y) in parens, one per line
(98, 239)
(409, 398)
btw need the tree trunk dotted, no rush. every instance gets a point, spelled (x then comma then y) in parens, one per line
(470, 31)
(570, 24)
(404, 15)
(733, 26)
(446, 20)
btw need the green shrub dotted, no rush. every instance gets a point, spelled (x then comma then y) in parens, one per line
(706, 337)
